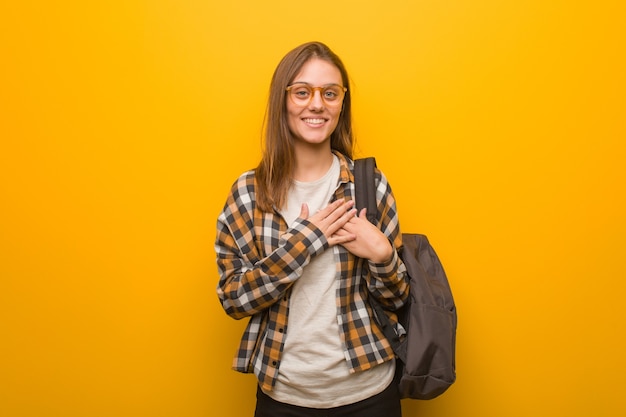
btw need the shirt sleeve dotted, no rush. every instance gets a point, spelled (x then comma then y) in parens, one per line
(251, 282)
(388, 281)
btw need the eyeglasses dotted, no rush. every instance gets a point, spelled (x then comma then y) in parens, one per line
(301, 94)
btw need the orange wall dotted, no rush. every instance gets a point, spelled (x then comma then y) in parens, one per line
(501, 126)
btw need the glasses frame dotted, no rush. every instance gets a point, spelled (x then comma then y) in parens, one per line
(321, 90)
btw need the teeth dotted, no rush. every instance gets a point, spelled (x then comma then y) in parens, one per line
(314, 121)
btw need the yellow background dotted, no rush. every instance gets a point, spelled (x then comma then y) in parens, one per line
(500, 124)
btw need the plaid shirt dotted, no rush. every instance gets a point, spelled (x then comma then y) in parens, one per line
(259, 257)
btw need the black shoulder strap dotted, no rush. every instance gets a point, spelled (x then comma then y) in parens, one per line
(365, 186)
(365, 197)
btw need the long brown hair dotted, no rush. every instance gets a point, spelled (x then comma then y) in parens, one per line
(275, 171)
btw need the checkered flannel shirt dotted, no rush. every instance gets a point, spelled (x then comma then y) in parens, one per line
(259, 258)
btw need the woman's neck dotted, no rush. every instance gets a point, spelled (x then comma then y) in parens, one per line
(312, 162)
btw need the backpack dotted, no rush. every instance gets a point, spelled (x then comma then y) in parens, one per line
(426, 353)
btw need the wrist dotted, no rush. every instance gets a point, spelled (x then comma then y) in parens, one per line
(384, 256)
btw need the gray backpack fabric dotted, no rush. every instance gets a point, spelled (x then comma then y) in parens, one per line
(426, 353)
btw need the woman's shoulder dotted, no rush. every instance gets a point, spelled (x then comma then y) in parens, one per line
(244, 184)
(379, 175)
(246, 177)
(243, 189)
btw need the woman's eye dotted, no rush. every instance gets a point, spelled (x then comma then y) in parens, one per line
(331, 95)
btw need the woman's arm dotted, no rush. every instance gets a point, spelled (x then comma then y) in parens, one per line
(250, 282)
(389, 282)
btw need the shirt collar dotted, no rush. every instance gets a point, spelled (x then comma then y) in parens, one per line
(345, 168)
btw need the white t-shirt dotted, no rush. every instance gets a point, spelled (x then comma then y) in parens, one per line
(313, 370)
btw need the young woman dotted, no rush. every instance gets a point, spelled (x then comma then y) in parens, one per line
(297, 259)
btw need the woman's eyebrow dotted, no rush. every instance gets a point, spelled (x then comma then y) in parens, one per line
(323, 85)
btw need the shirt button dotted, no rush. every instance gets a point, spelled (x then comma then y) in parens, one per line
(280, 330)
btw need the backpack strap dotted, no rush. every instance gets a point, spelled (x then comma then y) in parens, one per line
(365, 186)
(365, 197)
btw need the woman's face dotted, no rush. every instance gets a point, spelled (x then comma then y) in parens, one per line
(315, 121)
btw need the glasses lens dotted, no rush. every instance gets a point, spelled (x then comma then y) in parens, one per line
(332, 94)
(301, 94)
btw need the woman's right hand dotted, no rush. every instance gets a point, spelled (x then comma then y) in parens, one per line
(332, 218)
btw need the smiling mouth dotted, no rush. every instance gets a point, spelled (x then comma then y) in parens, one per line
(314, 121)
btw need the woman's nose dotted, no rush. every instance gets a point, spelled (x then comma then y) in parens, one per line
(317, 102)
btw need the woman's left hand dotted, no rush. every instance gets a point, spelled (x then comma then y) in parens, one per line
(370, 242)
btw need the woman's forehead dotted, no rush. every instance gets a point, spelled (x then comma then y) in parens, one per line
(317, 71)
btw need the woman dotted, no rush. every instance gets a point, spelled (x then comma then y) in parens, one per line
(295, 256)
